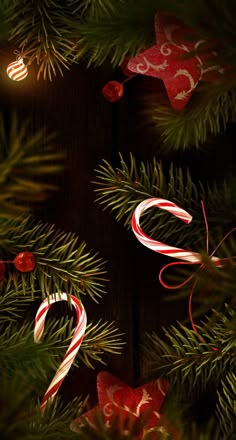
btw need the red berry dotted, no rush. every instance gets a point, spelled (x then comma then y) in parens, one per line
(24, 261)
(2, 270)
(113, 91)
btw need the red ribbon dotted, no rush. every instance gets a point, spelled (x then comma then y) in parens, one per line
(219, 262)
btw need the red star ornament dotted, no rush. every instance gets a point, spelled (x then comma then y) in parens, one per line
(166, 60)
(115, 398)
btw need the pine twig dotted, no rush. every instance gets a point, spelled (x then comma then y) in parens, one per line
(23, 158)
(61, 264)
(206, 115)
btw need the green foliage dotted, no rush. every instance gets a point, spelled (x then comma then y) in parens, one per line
(61, 264)
(24, 158)
(12, 306)
(93, 8)
(99, 338)
(122, 188)
(21, 417)
(26, 368)
(195, 357)
(42, 32)
(197, 364)
(206, 115)
(126, 27)
(120, 428)
(54, 35)
(226, 409)
(115, 31)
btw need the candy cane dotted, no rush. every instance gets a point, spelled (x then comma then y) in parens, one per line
(158, 246)
(74, 346)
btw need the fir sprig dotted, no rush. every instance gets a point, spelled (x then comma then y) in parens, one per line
(24, 157)
(226, 408)
(42, 31)
(122, 188)
(206, 115)
(99, 338)
(13, 305)
(195, 357)
(197, 364)
(61, 263)
(119, 29)
(21, 417)
(20, 352)
(127, 27)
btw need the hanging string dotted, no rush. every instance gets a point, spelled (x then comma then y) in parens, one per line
(217, 262)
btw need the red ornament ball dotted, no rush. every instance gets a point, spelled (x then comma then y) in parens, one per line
(2, 270)
(113, 91)
(24, 261)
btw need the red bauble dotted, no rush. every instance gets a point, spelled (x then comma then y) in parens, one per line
(118, 400)
(113, 91)
(24, 261)
(2, 270)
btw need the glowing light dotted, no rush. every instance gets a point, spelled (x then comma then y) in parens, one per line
(17, 70)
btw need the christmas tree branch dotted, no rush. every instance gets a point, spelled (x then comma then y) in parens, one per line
(99, 338)
(195, 358)
(12, 304)
(24, 157)
(121, 189)
(61, 264)
(207, 114)
(127, 27)
(42, 31)
(118, 29)
(226, 409)
(19, 351)
(21, 416)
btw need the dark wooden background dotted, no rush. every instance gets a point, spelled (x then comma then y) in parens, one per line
(90, 129)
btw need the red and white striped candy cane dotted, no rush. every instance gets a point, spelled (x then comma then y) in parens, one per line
(158, 246)
(74, 346)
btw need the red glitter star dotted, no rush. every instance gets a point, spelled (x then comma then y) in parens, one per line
(116, 398)
(169, 61)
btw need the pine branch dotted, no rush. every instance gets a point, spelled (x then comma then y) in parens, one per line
(23, 158)
(42, 31)
(21, 417)
(207, 114)
(94, 8)
(122, 28)
(13, 305)
(226, 409)
(121, 189)
(196, 364)
(99, 338)
(61, 264)
(195, 358)
(120, 427)
(19, 352)
(127, 27)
